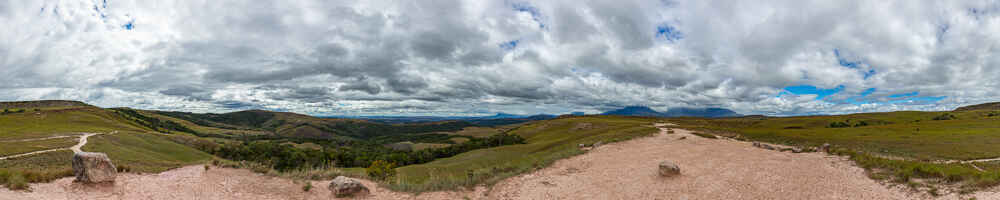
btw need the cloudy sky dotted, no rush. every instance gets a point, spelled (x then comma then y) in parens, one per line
(443, 57)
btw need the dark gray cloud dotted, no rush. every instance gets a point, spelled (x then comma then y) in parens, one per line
(473, 57)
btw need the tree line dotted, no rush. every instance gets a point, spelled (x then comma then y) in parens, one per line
(284, 157)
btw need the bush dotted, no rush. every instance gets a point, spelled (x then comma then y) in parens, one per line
(839, 125)
(307, 187)
(381, 170)
(16, 181)
(946, 116)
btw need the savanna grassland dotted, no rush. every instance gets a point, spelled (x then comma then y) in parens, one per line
(546, 142)
(922, 150)
(919, 149)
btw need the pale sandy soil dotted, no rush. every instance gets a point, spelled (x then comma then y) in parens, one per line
(711, 169)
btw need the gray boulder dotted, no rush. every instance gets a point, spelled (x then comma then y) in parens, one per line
(346, 187)
(92, 167)
(668, 169)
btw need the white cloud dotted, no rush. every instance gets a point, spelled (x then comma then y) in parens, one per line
(445, 57)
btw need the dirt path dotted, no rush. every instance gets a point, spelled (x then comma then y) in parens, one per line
(83, 141)
(44, 138)
(75, 148)
(711, 169)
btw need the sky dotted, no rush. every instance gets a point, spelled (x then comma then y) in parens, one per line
(444, 57)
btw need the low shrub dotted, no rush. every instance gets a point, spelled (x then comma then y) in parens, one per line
(307, 187)
(381, 170)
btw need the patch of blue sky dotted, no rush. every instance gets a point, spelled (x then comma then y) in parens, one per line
(901, 95)
(860, 99)
(528, 8)
(130, 25)
(809, 89)
(842, 61)
(668, 32)
(509, 45)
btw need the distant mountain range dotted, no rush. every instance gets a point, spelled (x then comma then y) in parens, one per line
(673, 112)
(498, 119)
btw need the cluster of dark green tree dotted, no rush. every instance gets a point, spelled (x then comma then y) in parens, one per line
(283, 157)
(9, 111)
(945, 116)
(417, 138)
(856, 123)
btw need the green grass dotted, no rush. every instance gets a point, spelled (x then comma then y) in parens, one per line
(145, 152)
(905, 171)
(13, 148)
(547, 141)
(60, 121)
(893, 146)
(909, 134)
(42, 167)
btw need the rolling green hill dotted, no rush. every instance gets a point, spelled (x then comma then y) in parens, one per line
(58, 124)
(985, 106)
(292, 125)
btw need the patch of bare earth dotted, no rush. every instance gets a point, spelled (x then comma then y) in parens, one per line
(710, 169)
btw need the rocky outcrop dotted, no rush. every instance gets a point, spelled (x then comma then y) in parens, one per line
(92, 167)
(347, 187)
(668, 169)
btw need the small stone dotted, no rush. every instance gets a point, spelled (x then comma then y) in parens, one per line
(668, 169)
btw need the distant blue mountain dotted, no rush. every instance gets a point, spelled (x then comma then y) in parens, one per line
(635, 111)
(673, 112)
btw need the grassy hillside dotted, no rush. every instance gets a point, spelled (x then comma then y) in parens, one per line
(292, 125)
(546, 141)
(916, 135)
(985, 106)
(133, 147)
(904, 147)
(55, 121)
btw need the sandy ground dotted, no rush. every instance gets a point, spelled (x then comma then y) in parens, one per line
(711, 169)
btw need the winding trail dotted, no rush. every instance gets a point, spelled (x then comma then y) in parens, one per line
(75, 148)
(38, 139)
